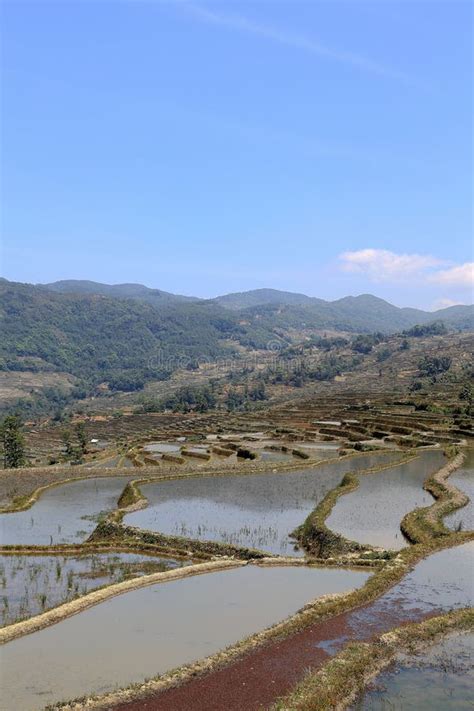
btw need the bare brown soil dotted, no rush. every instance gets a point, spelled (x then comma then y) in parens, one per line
(20, 384)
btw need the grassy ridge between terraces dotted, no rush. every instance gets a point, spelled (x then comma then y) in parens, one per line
(423, 524)
(57, 614)
(132, 499)
(317, 611)
(319, 540)
(44, 478)
(344, 677)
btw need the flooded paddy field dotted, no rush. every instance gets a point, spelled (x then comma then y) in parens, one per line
(31, 584)
(257, 511)
(320, 449)
(438, 678)
(162, 447)
(372, 513)
(463, 479)
(152, 630)
(440, 583)
(67, 513)
(220, 449)
(275, 456)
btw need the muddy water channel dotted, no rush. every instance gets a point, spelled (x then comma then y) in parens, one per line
(440, 678)
(372, 513)
(149, 631)
(257, 510)
(67, 513)
(463, 479)
(32, 584)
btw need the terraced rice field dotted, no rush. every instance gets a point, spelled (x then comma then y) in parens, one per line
(440, 677)
(372, 513)
(156, 624)
(155, 629)
(31, 584)
(63, 514)
(253, 511)
(463, 479)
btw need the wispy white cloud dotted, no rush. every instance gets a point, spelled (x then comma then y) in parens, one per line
(408, 271)
(299, 42)
(461, 275)
(381, 265)
(444, 304)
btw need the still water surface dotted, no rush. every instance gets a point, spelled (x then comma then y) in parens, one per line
(30, 584)
(254, 510)
(152, 630)
(440, 678)
(66, 513)
(463, 479)
(372, 513)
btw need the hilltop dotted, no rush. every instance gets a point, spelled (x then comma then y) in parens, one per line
(364, 313)
(80, 339)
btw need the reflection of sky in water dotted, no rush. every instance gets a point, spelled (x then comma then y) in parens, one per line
(162, 447)
(258, 511)
(63, 514)
(267, 456)
(438, 678)
(372, 512)
(155, 629)
(25, 579)
(442, 582)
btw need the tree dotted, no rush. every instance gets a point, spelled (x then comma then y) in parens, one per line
(435, 328)
(432, 365)
(13, 442)
(68, 448)
(81, 436)
(234, 400)
(383, 354)
(258, 392)
(466, 394)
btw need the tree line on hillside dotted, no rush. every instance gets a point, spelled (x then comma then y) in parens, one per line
(111, 345)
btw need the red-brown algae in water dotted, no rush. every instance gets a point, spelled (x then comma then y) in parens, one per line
(440, 583)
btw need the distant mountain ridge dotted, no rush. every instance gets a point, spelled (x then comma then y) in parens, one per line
(364, 312)
(116, 291)
(261, 297)
(126, 335)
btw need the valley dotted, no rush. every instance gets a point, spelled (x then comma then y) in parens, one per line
(249, 520)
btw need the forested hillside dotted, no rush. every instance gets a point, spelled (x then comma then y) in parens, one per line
(275, 309)
(155, 297)
(120, 344)
(121, 341)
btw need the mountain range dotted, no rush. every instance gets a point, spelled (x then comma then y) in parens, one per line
(351, 313)
(127, 334)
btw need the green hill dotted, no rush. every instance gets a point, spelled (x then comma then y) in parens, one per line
(362, 314)
(122, 336)
(155, 297)
(121, 341)
(283, 309)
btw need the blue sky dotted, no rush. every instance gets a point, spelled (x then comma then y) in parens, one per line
(201, 148)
